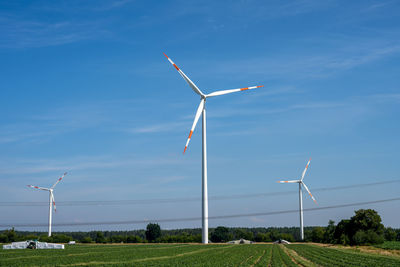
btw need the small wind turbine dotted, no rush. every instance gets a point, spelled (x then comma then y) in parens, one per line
(300, 182)
(51, 198)
(201, 110)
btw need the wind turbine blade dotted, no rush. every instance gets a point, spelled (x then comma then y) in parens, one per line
(186, 78)
(54, 202)
(304, 172)
(290, 181)
(37, 187)
(196, 119)
(224, 92)
(59, 179)
(309, 192)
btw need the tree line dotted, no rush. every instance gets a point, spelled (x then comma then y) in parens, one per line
(365, 227)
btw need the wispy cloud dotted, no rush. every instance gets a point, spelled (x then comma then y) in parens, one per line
(26, 33)
(377, 5)
(389, 97)
(81, 163)
(38, 128)
(158, 127)
(303, 66)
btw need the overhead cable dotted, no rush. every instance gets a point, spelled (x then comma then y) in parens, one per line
(199, 218)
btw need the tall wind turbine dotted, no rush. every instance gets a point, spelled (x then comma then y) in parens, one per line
(201, 110)
(300, 182)
(51, 198)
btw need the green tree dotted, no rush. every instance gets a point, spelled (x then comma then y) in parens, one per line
(368, 237)
(3, 238)
(45, 238)
(153, 231)
(329, 232)
(86, 239)
(220, 234)
(317, 234)
(364, 227)
(61, 238)
(245, 234)
(11, 235)
(100, 237)
(263, 237)
(390, 234)
(133, 239)
(287, 237)
(368, 224)
(118, 239)
(342, 232)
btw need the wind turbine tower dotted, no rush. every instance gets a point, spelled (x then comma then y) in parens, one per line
(201, 110)
(301, 183)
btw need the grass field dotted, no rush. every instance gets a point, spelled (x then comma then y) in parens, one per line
(195, 255)
(390, 245)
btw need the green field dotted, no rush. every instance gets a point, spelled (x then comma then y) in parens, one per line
(390, 245)
(194, 255)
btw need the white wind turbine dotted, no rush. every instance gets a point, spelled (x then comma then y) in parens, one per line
(300, 182)
(51, 198)
(201, 110)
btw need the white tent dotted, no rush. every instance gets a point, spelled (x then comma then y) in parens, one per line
(281, 241)
(33, 245)
(240, 241)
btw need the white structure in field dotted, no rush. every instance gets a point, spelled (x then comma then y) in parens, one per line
(281, 241)
(51, 198)
(33, 244)
(301, 183)
(240, 241)
(201, 110)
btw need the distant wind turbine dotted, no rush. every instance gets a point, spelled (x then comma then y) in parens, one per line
(201, 110)
(51, 198)
(300, 182)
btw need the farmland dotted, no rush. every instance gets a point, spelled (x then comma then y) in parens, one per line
(395, 245)
(195, 255)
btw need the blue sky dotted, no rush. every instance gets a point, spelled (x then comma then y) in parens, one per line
(86, 89)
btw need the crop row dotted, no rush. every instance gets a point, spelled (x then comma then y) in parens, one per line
(395, 245)
(150, 255)
(340, 257)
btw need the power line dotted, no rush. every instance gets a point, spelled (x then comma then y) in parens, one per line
(183, 199)
(210, 217)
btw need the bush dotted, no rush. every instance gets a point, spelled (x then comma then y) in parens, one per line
(134, 239)
(3, 239)
(390, 234)
(260, 237)
(86, 240)
(367, 238)
(317, 234)
(45, 238)
(220, 234)
(287, 237)
(118, 239)
(61, 238)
